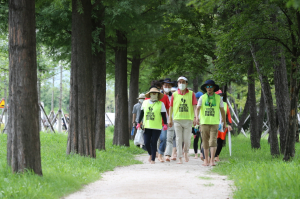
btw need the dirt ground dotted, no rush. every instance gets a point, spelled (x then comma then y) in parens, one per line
(161, 180)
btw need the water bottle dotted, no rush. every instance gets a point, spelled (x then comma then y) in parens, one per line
(132, 131)
(221, 127)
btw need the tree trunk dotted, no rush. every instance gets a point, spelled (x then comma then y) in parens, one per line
(282, 99)
(291, 133)
(244, 115)
(225, 93)
(60, 102)
(121, 136)
(134, 87)
(269, 104)
(261, 114)
(39, 101)
(99, 68)
(255, 141)
(23, 139)
(81, 137)
(195, 85)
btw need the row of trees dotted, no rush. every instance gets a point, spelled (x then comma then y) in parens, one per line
(136, 41)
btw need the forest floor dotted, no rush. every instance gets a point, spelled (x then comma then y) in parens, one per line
(161, 180)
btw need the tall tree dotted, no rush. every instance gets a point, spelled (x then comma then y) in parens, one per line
(99, 78)
(121, 135)
(23, 138)
(254, 137)
(81, 137)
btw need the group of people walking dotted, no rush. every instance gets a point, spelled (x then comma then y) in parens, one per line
(169, 116)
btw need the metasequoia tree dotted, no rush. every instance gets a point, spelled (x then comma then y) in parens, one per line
(99, 78)
(81, 138)
(23, 138)
(121, 136)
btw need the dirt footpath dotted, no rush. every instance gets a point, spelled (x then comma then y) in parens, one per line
(161, 180)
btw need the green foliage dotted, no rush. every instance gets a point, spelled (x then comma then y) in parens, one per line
(62, 174)
(256, 174)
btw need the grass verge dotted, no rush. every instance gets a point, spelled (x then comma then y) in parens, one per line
(256, 174)
(62, 174)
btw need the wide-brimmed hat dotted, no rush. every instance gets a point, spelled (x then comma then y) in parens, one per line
(155, 90)
(211, 82)
(168, 81)
(141, 96)
(219, 92)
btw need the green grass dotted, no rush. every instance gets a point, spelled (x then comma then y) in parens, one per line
(205, 178)
(62, 174)
(256, 174)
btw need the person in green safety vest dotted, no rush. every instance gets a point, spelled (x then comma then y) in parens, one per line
(153, 111)
(210, 105)
(184, 106)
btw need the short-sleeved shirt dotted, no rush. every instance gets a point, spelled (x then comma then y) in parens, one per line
(194, 102)
(200, 102)
(137, 110)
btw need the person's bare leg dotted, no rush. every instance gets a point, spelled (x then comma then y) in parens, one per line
(174, 155)
(186, 157)
(160, 158)
(152, 162)
(212, 152)
(217, 159)
(206, 156)
(167, 158)
(150, 157)
(196, 155)
(180, 161)
(201, 156)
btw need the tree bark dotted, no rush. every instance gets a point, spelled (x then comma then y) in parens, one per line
(282, 99)
(195, 85)
(291, 133)
(121, 136)
(244, 115)
(134, 87)
(269, 104)
(261, 114)
(99, 78)
(81, 137)
(255, 142)
(23, 139)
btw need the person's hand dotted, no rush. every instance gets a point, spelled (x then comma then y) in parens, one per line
(229, 128)
(165, 127)
(198, 121)
(224, 126)
(170, 123)
(138, 126)
(133, 124)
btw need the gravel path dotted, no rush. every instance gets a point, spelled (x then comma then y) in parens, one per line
(161, 180)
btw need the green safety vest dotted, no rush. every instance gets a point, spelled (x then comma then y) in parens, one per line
(225, 108)
(152, 115)
(210, 114)
(183, 106)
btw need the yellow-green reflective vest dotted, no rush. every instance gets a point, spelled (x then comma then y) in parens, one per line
(183, 106)
(225, 108)
(210, 114)
(152, 115)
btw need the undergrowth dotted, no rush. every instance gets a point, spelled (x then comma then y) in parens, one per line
(256, 174)
(62, 174)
